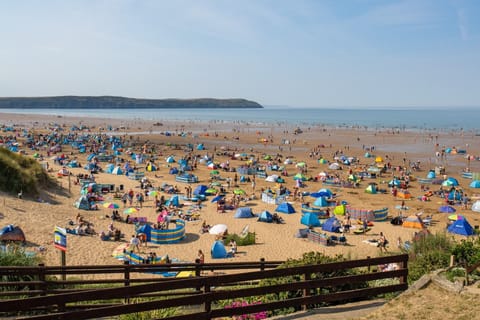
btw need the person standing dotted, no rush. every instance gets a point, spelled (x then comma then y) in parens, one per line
(201, 257)
(134, 243)
(382, 242)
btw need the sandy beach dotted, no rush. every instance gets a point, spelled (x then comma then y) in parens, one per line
(38, 216)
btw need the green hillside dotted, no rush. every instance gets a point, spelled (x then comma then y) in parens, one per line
(88, 102)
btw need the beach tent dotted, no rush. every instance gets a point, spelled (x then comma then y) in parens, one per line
(151, 167)
(200, 190)
(200, 146)
(476, 206)
(218, 250)
(431, 174)
(368, 155)
(117, 170)
(340, 210)
(413, 222)
(145, 229)
(82, 203)
(288, 161)
(109, 168)
(265, 216)
(73, 164)
(310, 219)
(475, 184)
(461, 227)
(244, 212)
(331, 225)
(321, 202)
(271, 178)
(170, 159)
(12, 233)
(395, 182)
(454, 195)
(173, 170)
(378, 159)
(285, 208)
(371, 189)
(300, 176)
(174, 201)
(447, 209)
(322, 161)
(404, 194)
(334, 166)
(63, 172)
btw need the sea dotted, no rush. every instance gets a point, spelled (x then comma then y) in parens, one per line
(437, 119)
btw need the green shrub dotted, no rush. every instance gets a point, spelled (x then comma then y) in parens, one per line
(309, 259)
(428, 254)
(249, 239)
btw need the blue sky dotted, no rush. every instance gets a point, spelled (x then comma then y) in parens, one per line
(306, 53)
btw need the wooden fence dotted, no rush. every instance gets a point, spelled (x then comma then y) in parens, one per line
(198, 297)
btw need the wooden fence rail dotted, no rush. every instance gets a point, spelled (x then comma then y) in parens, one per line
(207, 291)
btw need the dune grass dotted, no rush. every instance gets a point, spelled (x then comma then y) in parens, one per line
(19, 173)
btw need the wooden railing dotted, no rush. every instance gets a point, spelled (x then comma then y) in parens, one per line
(46, 298)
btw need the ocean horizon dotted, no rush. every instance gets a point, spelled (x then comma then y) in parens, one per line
(409, 118)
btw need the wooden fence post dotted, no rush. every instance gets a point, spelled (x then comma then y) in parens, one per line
(369, 266)
(198, 271)
(262, 264)
(207, 305)
(126, 276)
(404, 265)
(42, 279)
(306, 291)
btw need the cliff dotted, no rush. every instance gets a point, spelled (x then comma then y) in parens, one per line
(104, 102)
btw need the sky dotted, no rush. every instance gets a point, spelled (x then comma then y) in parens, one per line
(299, 53)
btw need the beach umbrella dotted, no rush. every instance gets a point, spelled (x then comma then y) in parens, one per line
(216, 184)
(211, 191)
(111, 205)
(239, 191)
(215, 172)
(447, 183)
(301, 164)
(130, 210)
(218, 229)
(153, 193)
(453, 180)
(119, 252)
(378, 159)
(447, 209)
(217, 198)
(322, 161)
(455, 217)
(316, 194)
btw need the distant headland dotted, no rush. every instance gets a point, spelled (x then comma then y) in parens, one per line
(114, 102)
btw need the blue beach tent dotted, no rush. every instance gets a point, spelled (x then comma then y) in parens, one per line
(285, 208)
(461, 227)
(265, 216)
(200, 190)
(244, 212)
(218, 250)
(310, 219)
(321, 202)
(331, 225)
